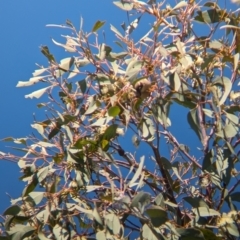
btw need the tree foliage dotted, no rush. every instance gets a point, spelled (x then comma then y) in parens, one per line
(106, 163)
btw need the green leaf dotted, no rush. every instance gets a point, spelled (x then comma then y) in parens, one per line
(47, 54)
(19, 232)
(69, 134)
(145, 131)
(97, 216)
(180, 5)
(41, 236)
(116, 56)
(209, 16)
(8, 139)
(190, 233)
(69, 86)
(16, 140)
(13, 210)
(124, 5)
(79, 178)
(116, 225)
(98, 25)
(83, 210)
(104, 51)
(141, 200)
(207, 60)
(148, 129)
(42, 173)
(206, 212)
(83, 142)
(138, 172)
(67, 47)
(31, 81)
(118, 43)
(38, 93)
(157, 215)
(182, 100)
(233, 108)
(99, 122)
(176, 187)
(74, 72)
(101, 235)
(161, 111)
(83, 85)
(81, 62)
(148, 234)
(40, 105)
(159, 200)
(115, 31)
(193, 122)
(208, 234)
(233, 118)
(69, 23)
(133, 69)
(211, 5)
(208, 161)
(102, 79)
(230, 130)
(227, 86)
(175, 168)
(54, 131)
(126, 115)
(216, 44)
(227, 165)
(113, 223)
(105, 144)
(174, 81)
(233, 229)
(133, 25)
(208, 112)
(39, 128)
(45, 144)
(173, 205)
(39, 72)
(196, 202)
(166, 163)
(216, 180)
(186, 61)
(30, 187)
(8, 221)
(235, 61)
(235, 196)
(110, 132)
(37, 196)
(114, 111)
(93, 105)
(92, 188)
(66, 63)
(60, 232)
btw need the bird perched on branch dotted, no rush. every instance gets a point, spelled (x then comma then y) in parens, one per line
(144, 88)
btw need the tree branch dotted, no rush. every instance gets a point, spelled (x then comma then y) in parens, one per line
(167, 183)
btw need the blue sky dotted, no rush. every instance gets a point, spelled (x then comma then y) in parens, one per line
(23, 31)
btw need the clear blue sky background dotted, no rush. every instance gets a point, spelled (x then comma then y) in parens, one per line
(23, 31)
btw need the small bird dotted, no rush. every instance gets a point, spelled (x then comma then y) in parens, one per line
(143, 88)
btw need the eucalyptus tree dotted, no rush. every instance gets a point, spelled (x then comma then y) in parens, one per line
(106, 162)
